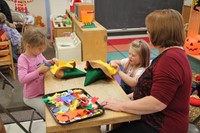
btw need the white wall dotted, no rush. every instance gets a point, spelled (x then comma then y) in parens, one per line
(188, 2)
(58, 8)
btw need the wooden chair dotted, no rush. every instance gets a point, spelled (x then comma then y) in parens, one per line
(6, 57)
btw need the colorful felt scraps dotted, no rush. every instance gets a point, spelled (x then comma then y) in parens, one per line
(72, 105)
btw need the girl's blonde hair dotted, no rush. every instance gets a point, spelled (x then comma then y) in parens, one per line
(165, 28)
(4, 20)
(34, 37)
(143, 50)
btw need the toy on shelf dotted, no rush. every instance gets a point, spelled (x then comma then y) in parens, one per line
(87, 8)
(196, 3)
(61, 21)
(87, 17)
(192, 43)
(38, 22)
(72, 3)
(84, 12)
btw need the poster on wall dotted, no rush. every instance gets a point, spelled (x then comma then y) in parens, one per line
(20, 5)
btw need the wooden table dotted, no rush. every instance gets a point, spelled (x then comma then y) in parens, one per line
(103, 89)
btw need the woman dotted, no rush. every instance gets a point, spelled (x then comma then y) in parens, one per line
(161, 96)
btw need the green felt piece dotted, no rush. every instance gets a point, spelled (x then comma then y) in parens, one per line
(93, 75)
(73, 73)
(89, 107)
(92, 25)
(45, 100)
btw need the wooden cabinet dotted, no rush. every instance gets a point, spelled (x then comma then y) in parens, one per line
(186, 13)
(192, 18)
(93, 40)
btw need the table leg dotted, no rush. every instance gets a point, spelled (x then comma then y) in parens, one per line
(114, 126)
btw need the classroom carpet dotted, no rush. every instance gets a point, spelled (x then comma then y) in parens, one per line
(118, 48)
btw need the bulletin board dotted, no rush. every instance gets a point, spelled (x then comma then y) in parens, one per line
(122, 14)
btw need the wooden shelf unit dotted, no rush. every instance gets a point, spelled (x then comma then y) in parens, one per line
(57, 31)
(93, 40)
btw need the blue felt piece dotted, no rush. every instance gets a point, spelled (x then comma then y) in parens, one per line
(55, 110)
(67, 99)
(64, 108)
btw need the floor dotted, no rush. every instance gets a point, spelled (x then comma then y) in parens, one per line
(37, 127)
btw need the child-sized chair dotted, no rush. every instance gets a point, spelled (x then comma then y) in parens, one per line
(15, 105)
(6, 57)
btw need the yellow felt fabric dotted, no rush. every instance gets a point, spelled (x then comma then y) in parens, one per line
(110, 69)
(63, 65)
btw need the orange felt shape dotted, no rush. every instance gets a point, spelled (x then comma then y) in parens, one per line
(192, 45)
(62, 117)
(81, 112)
(71, 114)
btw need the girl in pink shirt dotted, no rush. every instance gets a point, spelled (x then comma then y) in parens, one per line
(32, 66)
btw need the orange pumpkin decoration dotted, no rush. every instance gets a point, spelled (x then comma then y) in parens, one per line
(192, 45)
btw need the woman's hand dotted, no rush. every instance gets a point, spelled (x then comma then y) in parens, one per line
(54, 61)
(130, 96)
(113, 104)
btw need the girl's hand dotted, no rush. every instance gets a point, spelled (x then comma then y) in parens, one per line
(117, 67)
(59, 73)
(112, 104)
(43, 69)
(113, 64)
(54, 61)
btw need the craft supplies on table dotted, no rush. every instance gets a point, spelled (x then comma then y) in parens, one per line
(72, 105)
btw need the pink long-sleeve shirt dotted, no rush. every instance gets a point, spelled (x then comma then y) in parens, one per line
(29, 76)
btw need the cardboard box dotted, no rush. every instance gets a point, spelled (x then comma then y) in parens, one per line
(83, 6)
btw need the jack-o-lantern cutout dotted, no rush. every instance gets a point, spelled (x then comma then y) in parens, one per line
(192, 45)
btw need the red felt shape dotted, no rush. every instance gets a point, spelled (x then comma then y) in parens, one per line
(197, 78)
(94, 99)
(194, 101)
